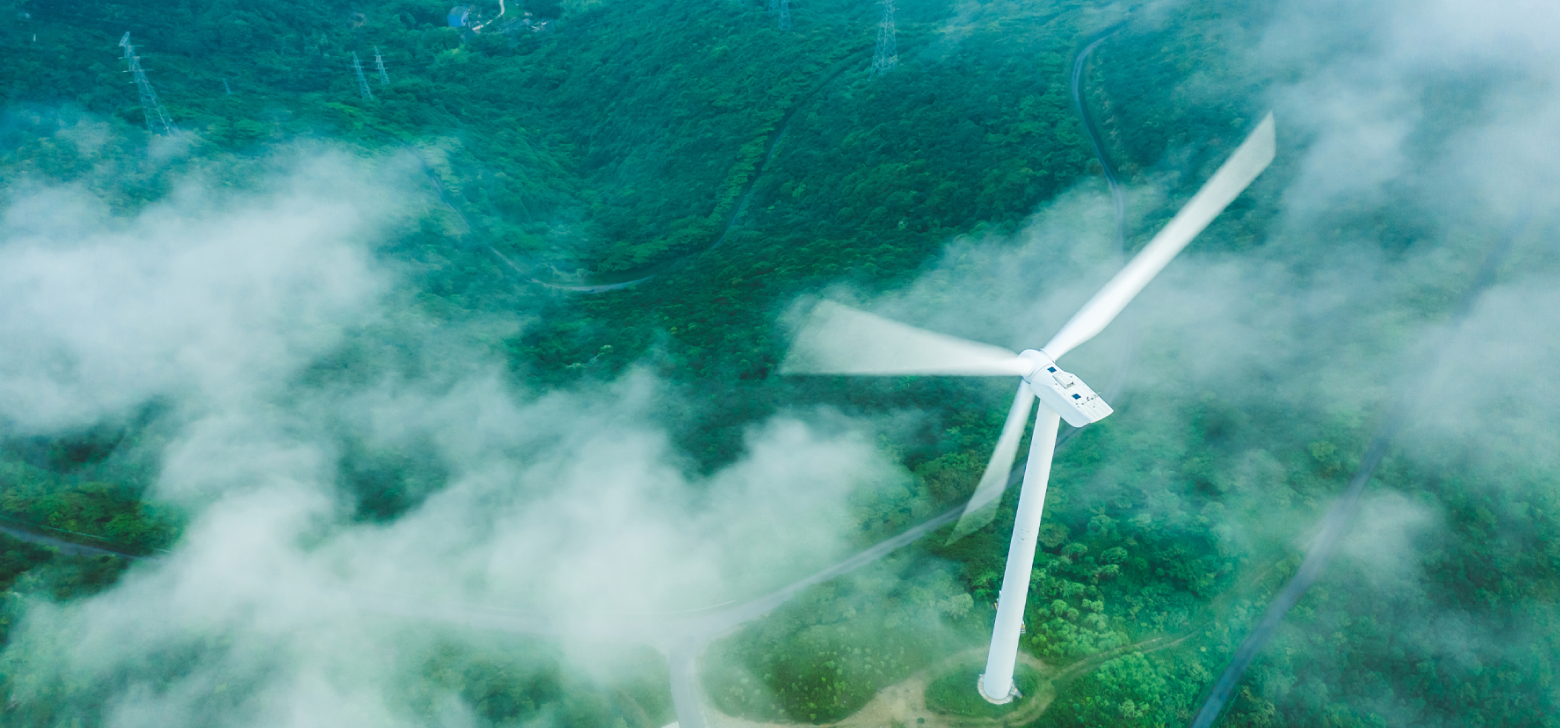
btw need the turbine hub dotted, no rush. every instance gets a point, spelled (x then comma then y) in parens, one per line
(1038, 359)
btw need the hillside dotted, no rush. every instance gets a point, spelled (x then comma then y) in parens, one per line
(435, 385)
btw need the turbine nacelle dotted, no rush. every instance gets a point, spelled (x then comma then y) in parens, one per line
(1063, 391)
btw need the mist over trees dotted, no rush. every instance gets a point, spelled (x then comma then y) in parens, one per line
(318, 351)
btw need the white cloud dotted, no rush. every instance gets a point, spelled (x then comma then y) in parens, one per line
(568, 502)
(202, 298)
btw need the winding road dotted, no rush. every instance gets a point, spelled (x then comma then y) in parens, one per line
(1117, 192)
(1118, 195)
(644, 274)
(69, 548)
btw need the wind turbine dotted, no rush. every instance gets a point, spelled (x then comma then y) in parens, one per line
(837, 339)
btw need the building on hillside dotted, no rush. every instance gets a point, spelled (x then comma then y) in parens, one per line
(459, 16)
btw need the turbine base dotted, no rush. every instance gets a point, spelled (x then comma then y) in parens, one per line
(1012, 692)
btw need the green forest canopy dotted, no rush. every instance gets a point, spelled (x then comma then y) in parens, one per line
(623, 140)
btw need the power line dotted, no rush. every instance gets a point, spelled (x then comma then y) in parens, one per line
(157, 120)
(384, 78)
(368, 94)
(299, 65)
(886, 56)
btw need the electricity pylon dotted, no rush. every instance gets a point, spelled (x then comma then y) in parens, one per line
(785, 14)
(384, 78)
(157, 121)
(368, 94)
(886, 56)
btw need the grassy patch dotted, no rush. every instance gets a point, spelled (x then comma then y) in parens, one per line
(954, 693)
(824, 655)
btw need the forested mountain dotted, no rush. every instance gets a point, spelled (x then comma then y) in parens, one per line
(499, 327)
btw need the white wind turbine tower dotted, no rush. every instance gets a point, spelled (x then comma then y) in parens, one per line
(840, 340)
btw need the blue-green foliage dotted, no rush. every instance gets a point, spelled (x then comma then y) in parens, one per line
(627, 137)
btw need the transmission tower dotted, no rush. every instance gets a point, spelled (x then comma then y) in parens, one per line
(157, 121)
(226, 87)
(785, 14)
(368, 95)
(886, 56)
(384, 78)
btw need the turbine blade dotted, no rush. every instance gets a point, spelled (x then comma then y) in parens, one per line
(1222, 188)
(982, 506)
(838, 339)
